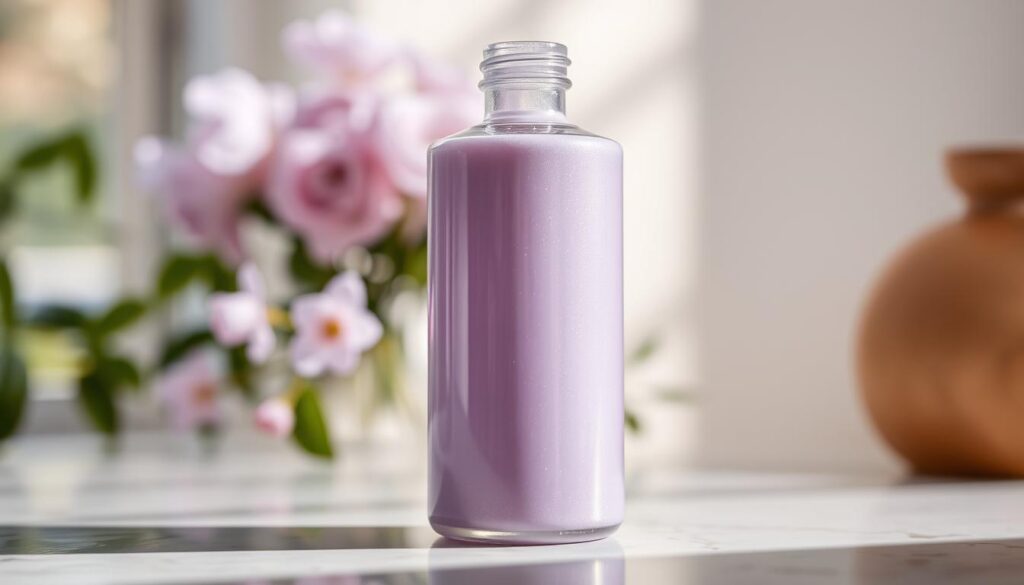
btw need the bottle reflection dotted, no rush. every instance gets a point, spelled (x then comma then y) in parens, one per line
(608, 568)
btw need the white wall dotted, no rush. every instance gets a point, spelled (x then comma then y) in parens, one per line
(770, 187)
(823, 128)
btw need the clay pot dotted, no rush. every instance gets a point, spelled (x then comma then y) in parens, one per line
(941, 352)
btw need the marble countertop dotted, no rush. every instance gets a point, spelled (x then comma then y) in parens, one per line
(163, 510)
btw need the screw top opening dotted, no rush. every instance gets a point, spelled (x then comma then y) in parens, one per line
(524, 63)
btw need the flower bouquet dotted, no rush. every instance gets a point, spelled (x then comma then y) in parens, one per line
(340, 166)
(337, 167)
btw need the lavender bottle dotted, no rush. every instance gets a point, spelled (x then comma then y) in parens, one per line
(525, 287)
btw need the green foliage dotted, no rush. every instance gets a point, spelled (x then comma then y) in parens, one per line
(71, 148)
(311, 432)
(241, 370)
(83, 165)
(59, 317)
(178, 272)
(8, 314)
(644, 351)
(219, 277)
(180, 346)
(633, 422)
(13, 391)
(97, 388)
(107, 374)
(258, 208)
(416, 265)
(181, 270)
(96, 398)
(120, 371)
(8, 200)
(408, 259)
(121, 315)
(42, 155)
(306, 271)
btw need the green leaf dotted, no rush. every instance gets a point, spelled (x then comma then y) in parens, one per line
(71, 147)
(13, 391)
(121, 315)
(644, 351)
(311, 431)
(120, 372)
(305, 270)
(41, 155)
(177, 272)
(96, 397)
(219, 277)
(59, 317)
(633, 422)
(181, 270)
(258, 208)
(8, 200)
(241, 370)
(83, 165)
(179, 347)
(8, 310)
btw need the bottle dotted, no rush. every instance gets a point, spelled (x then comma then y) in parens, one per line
(525, 315)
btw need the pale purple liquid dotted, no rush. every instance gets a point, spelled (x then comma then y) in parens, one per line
(526, 379)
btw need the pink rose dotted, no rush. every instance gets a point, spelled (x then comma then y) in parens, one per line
(407, 125)
(241, 317)
(326, 184)
(205, 205)
(189, 391)
(235, 119)
(335, 45)
(333, 328)
(348, 111)
(275, 417)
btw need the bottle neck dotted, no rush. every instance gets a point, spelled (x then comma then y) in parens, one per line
(525, 82)
(511, 104)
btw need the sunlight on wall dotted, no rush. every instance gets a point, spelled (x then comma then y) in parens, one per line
(633, 81)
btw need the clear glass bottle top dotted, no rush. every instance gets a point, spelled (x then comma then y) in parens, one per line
(525, 82)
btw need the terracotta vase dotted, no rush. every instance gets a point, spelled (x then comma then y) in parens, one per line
(941, 352)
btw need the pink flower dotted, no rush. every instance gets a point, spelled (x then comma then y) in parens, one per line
(335, 45)
(434, 76)
(275, 417)
(235, 119)
(241, 317)
(349, 111)
(205, 205)
(326, 185)
(407, 125)
(189, 391)
(333, 328)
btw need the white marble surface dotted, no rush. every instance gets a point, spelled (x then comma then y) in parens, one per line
(165, 482)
